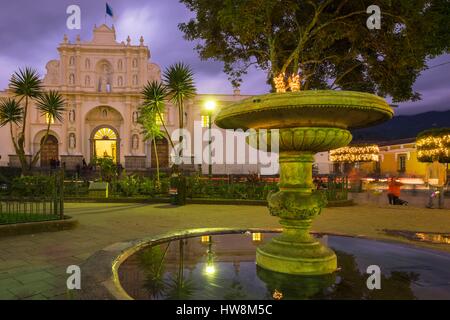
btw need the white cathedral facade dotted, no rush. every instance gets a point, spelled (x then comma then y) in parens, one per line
(101, 81)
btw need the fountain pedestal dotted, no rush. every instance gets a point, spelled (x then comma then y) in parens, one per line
(295, 251)
(309, 122)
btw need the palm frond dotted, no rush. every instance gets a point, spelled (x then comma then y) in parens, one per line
(179, 80)
(10, 112)
(26, 83)
(154, 94)
(52, 104)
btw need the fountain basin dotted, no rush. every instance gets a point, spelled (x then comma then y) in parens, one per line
(221, 266)
(312, 108)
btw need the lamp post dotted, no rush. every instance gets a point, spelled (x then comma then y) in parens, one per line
(210, 106)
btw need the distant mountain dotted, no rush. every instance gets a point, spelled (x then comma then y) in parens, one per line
(403, 127)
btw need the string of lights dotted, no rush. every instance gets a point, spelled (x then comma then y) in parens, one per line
(365, 153)
(434, 146)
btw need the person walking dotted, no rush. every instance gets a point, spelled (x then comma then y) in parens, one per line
(436, 179)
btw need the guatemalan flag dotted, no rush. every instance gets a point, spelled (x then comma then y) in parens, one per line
(109, 10)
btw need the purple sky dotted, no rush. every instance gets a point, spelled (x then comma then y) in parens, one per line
(31, 30)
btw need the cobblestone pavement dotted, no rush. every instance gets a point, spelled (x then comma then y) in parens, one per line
(34, 266)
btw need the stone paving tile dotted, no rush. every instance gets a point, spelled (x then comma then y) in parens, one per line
(6, 295)
(25, 278)
(13, 263)
(37, 297)
(30, 289)
(9, 283)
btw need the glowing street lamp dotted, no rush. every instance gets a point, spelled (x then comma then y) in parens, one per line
(210, 107)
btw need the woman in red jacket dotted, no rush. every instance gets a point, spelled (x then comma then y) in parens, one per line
(394, 189)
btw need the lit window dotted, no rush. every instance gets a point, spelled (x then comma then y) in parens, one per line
(105, 134)
(159, 120)
(205, 121)
(49, 119)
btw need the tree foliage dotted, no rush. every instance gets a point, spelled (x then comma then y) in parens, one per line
(326, 42)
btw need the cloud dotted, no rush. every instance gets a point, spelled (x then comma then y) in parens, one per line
(32, 30)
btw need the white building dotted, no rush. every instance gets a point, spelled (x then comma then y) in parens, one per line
(101, 81)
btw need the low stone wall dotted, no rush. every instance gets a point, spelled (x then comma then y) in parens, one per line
(16, 229)
(342, 203)
(72, 161)
(14, 160)
(135, 162)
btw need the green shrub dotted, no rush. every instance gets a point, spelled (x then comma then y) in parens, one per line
(33, 186)
(129, 186)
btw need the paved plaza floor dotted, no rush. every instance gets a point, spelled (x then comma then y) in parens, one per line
(34, 266)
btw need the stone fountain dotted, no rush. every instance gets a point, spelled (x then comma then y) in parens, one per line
(309, 122)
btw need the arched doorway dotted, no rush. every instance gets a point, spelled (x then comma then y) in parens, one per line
(105, 143)
(162, 147)
(49, 150)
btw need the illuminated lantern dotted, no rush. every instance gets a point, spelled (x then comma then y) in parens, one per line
(280, 85)
(294, 83)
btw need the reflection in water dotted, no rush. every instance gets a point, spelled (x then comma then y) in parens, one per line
(438, 238)
(223, 267)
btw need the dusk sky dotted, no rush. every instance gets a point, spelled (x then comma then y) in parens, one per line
(30, 31)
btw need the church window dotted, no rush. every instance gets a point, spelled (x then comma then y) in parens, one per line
(159, 120)
(49, 119)
(135, 63)
(72, 61)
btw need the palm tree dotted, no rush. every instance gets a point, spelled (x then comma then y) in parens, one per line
(26, 85)
(152, 132)
(179, 80)
(155, 94)
(11, 112)
(50, 105)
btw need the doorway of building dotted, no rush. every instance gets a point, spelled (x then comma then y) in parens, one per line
(162, 145)
(105, 144)
(49, 151)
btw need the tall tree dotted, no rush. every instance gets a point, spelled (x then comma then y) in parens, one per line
(179, 80)
(154, 95)
(50, 105)
(27, 88)
(323, 44)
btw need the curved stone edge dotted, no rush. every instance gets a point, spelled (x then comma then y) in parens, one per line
(17, 229)
(101, 270)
